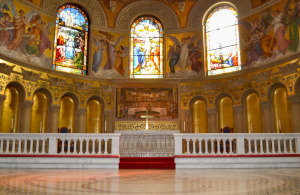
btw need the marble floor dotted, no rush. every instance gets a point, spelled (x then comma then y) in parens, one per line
(136, 182)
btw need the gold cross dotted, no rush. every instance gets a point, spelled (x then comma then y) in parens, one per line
(146, 117)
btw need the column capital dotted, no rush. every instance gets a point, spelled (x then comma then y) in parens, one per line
(55, 108)
(238, 108)
(2, 98)
(27, 104)
(294, 99)
(212, 110)
(266, 104)
(81, 110)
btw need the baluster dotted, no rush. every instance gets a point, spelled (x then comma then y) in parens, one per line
(93, 143)
(13, 146)
(105, 151)
(218, 146)
(43, 145)
(7, 146)
(87, 146)
(261, 146)
(200, 146)
(206, 146)
(194, 146)
(284, 146)
(31, 147)
(1, 146)
(267, 146)
(230, 146)
(187, 146)
(19, 146)
(75, 147)
(291, 147)
(81, 146)
(273, 146)
(25, 146)
(255, 146)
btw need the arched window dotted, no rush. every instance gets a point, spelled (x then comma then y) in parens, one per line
(146, 48)
(222, 41)
(71, 40)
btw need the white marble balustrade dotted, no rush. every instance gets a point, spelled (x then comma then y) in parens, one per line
(59, 144)
(236, 144)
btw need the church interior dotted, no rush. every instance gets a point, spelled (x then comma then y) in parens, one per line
(147, 90)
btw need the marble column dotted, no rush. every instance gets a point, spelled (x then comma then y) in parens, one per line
(25, 115)
(212, 120)
(239, 118)
(53, 118)
(267, 116)
(80, 124)
(294, 100)
(2, 99)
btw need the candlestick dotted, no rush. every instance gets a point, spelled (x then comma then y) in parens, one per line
(12, 123)
(41, 126)
(105, 126)
(251, 128)
(184, 126)
(279, 124)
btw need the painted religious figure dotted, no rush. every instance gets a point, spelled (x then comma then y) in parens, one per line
(159, 103)
(146, 46)
(70, 54)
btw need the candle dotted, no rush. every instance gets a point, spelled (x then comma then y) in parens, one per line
(251, 128)
(184, 126)
(279, 125)
(12, 123)
(41, 126)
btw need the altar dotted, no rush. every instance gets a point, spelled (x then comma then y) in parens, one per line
(161, 111)
(146, 143)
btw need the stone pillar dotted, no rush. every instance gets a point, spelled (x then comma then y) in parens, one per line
(239, 118)
(212, 120)
(80, 123)
(186, 120)
(25, 114)
(53, 118)
(267, 116)
(2, 99)
(295, 112)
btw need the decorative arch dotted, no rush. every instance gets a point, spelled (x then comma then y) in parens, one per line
(202, 7)
(97, 98)
(197, 98)
(67, 113)
(46, 91)
(273, 87)
(199, 121)
(21, 89)
(247, 92)
(160, 10)
(221, 96)
(71, 95)
(224, 106)
(92, 7)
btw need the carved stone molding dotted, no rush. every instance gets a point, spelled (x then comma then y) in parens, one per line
(262, 76)
(294, 99)
(55, 81)
(235, 82)
(81, 110)
(186, 88)
(30, 75)
(27, 104)
(238, 108)
(2, 98)
(54, 108)
(92, 7)
(6, 69)
(139, 8)
(200, 8)
(266, 104)
(289, 68)
(211, 86)
(83, 85)
(211, 111)
(107, 88)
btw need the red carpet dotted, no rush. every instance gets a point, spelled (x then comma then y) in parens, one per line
(147, 163)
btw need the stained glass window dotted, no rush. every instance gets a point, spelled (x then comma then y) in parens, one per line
(222, 41)
(71, 35)
(146, 48)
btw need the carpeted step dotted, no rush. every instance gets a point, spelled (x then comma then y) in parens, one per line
(147, 163)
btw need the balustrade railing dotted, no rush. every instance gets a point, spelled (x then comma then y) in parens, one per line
(237, 144)
(59, 144)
